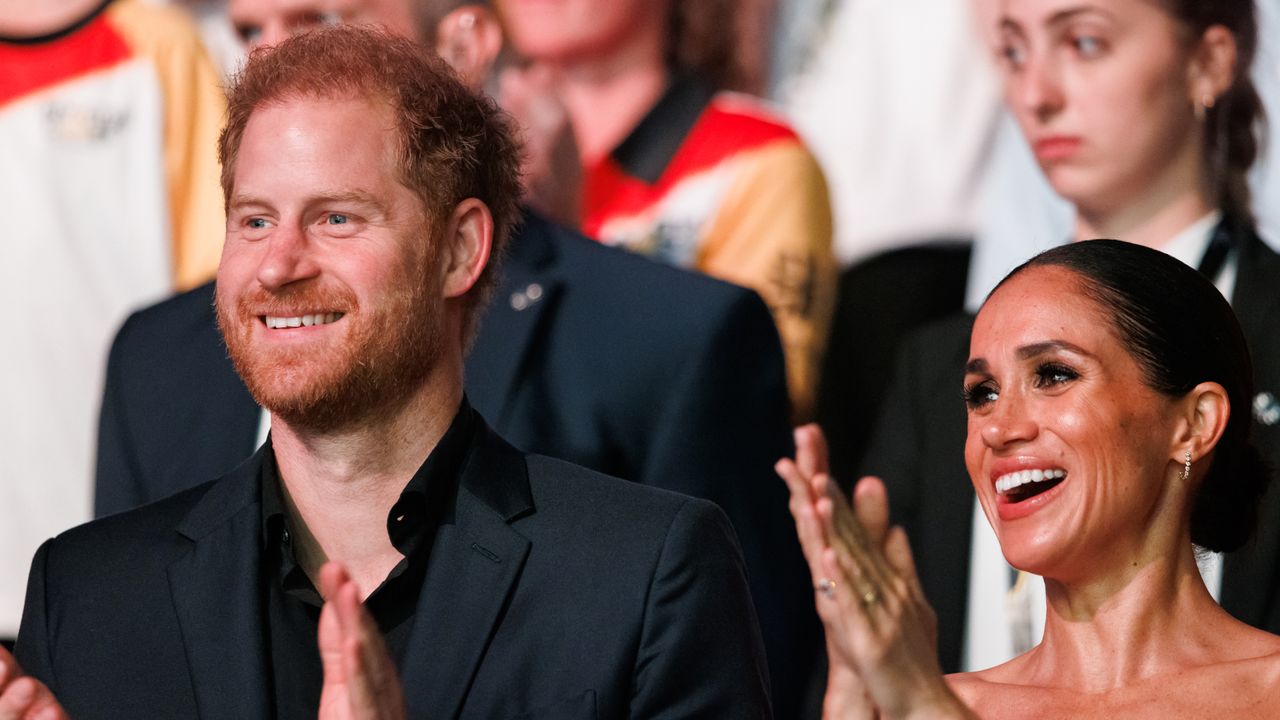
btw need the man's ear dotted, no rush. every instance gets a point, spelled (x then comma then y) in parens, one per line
(1212, 69)
(465, 246)
(1206, 410)
(469, 39)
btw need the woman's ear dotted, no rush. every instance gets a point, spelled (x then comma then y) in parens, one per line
(1212, 69)
(1206, 410)
(465, 247)
(469, 39)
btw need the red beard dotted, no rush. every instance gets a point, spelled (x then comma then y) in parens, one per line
(385, 354)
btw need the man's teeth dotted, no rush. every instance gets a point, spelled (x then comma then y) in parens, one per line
(1005, 483)
(276, 323)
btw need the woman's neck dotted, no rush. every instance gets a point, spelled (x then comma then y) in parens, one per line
(1125, 627)
(607, 97)
(33, 18)
(1177, 199)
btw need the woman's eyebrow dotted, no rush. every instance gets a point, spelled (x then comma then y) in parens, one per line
(1027, 352)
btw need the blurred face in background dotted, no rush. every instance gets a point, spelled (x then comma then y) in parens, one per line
(568, 31)
(267, 22)
(1106, 95)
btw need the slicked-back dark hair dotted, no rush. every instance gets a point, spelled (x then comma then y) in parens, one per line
(1182, 332)
(453, 143)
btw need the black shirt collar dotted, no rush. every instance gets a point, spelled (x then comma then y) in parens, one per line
(414, 517)
(649, 148)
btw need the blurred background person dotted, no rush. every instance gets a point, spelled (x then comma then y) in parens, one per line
(109, 184)
(674, 167)
(1143, 116)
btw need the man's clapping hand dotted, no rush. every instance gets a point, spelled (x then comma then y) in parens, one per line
(360, 681)
(25, 698)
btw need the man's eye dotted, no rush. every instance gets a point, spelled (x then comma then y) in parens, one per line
(338, 219)
(256, 223)
(979, 395)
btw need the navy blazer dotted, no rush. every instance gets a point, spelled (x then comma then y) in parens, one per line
(918, 448)
(550, 591)
(586, 353)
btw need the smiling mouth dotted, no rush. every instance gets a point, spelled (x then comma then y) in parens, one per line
(275, 322)
(1021, 485)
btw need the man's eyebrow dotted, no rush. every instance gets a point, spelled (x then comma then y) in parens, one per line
(1026, 352)
(355, 197)
(240, 200)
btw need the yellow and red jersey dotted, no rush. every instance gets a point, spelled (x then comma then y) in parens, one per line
(715, 182)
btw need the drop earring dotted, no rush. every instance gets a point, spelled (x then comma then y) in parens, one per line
(1186, 467)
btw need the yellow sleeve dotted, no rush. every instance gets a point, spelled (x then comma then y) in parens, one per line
(194, 107)
(772, 233)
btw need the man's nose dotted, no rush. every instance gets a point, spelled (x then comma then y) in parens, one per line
(288, 259)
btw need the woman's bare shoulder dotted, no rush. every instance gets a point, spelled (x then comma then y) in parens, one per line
(1246, 685)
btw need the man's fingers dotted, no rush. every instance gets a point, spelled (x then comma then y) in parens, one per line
(330, 638)
(361, 692)
(332, 576)
(18, 698)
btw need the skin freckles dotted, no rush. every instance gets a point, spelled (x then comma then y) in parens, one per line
(1066, 395)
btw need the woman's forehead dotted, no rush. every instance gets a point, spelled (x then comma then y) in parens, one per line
(1040, 304)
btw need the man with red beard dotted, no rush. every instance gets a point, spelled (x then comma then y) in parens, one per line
(383, 522)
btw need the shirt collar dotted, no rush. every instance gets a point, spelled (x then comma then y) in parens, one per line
(1190, 245)
(650, 146)
(422, 504)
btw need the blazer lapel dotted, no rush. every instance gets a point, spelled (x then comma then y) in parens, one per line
(215, 593)
(475, 563)
(516, 317)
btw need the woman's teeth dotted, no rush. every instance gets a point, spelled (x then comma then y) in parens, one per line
(1005, 483)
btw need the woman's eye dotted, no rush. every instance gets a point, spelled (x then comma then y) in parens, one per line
(1013, 55)
(1088, 45)
(979, 395)
(1051, 374)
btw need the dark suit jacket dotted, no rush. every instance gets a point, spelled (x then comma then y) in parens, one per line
(551, 591)
(587, 353)
(918, 448)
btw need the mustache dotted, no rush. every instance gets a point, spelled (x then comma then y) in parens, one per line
(310, 296)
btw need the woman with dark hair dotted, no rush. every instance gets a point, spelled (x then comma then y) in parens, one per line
(1141, 114)
(673, 165)
(1107, 389)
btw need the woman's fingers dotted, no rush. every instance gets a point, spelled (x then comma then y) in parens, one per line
(811, 450)
(809, 527)
(871, 507)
